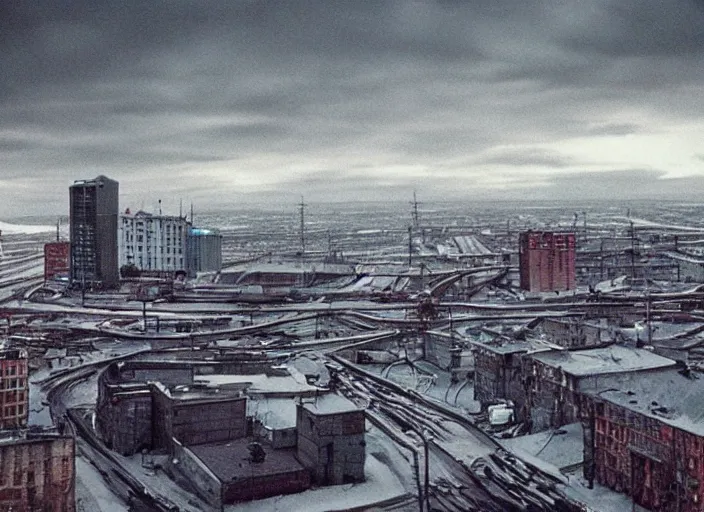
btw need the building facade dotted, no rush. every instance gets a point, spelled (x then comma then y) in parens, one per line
(330, 442)
(37, 472)
(93, 210)
(57, 260)
(547, 261)
(204, 251)
(153, 242)
(647, 439)
(14, 389)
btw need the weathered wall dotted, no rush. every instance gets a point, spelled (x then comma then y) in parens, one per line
(437, 349)
(196, 421)
(192, 468)
(575, 333)
(332, 446)
(552, 398)
(265, 486)
(37, 474)
(499, 377)
(209, 422)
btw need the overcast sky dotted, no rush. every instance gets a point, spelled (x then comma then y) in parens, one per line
(231, 101)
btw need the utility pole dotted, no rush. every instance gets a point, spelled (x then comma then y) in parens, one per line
(410, 245)
(633, 252)
(414, 212)
(58, 223)
(585, 225)
(301, 208)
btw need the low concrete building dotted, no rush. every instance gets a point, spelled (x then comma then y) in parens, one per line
(196, 415)
(124, 404)
(554, 379)
(226, 473)
(37, 471)
(574, 333)
(330, 431)
(498, 372)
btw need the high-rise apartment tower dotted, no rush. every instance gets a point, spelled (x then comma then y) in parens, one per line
(94, 212)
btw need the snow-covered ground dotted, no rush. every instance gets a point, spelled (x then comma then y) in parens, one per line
(24, 229)
(92, 493)
(381, 484)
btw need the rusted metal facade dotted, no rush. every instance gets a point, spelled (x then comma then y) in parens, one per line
(547, 261)
(57, 256)
(659, 465)
(14, 389)
(37, 472)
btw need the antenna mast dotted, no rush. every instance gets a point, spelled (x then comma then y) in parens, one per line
(301, 208)
(414, 212)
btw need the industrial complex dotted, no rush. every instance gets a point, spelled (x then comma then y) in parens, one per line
(509, 360)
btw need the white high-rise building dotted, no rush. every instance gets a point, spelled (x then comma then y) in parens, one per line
(153, 242)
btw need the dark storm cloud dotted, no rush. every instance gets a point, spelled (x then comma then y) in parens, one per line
(346, 99)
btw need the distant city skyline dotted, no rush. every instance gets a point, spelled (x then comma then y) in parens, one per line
(221, 104)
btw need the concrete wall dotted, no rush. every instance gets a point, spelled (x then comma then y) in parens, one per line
(499, 377)
(125, 423)
(575, 333)
(332, 446)
(278, 438)
(38, 474)
(196, 421)
(265, 486)
(207, 485)
(437, 349)
(209, 422)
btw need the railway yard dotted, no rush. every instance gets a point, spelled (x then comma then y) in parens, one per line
(424, 331)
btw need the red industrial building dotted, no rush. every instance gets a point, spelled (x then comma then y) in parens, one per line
(37, 471)
(644, 436)
(547, 261)
(14, 390)
(57, 260)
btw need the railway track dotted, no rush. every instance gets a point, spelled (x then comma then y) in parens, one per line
(467, 469)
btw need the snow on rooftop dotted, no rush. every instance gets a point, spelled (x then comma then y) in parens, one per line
(668, 396)
(261, 382)
(611, 359)
(330, 404)
(562, 447)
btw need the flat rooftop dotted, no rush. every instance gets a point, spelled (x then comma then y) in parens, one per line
(597, 361)
(667, 395)
(229, 461)
(502, 347)
(329, 404)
